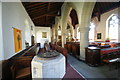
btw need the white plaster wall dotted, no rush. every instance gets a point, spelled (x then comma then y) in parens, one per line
(28, 31)
(101, 26)
(14, 15)
(1, 37)
(1, 41)
(38, 32)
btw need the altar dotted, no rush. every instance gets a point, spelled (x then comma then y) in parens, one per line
(48, 67)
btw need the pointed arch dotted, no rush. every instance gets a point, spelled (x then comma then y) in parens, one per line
(112, 27)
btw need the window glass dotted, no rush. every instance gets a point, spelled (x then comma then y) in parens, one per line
(113, 28)
(78, 33)
(91, 32)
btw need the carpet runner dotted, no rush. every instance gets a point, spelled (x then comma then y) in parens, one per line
(71, 73)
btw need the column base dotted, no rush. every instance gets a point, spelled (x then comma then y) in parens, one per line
(82, 58)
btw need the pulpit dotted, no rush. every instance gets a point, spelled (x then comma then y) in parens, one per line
(92, 56)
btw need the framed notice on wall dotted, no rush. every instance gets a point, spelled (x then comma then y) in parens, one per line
(99, 35)
(44, 34)
(17, 40)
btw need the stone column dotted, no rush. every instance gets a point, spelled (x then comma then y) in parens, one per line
(56, 32)
(56, 37)
(63, 38)
(64, 25)
(75, 31)
(71, 35)
(84, 33)
(53, 34)
(72, 31)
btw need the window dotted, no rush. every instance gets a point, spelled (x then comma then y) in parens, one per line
(91, 32)
(113, 28)
(78, 33)
(59, 32)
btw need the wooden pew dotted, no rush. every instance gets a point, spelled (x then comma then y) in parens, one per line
(75, 50)
(13, 67)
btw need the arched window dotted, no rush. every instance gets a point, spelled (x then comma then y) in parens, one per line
(59, 30)
(78, 33)
(113, 28)
(91, 32)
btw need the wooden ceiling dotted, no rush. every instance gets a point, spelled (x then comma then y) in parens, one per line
(44, 13)
(102, 7)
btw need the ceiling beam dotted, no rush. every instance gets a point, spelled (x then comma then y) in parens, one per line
(33, 5)
(42, 8)
(37, 10)
(48, 9)
(45, 15)
(27, 3)
(49, 13)
(36, 7)
(40, 14)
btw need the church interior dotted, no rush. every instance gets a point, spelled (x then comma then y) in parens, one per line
(59, 40)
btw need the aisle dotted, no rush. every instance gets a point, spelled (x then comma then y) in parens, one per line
(72, 73)
(89, 72)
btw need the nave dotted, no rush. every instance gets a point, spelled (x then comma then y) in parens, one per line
(84, 35)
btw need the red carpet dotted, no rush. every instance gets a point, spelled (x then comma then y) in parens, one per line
(71, 73)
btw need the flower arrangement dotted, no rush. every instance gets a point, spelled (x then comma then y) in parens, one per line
(107, 40)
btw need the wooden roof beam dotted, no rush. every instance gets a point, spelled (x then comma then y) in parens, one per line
(37, 10)
(49, 13)
(48, 9)
(45, 15)
(33, 5)
(37, 7)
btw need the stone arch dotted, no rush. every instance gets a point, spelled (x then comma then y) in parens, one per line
(65, 13)
(74, 17)
(84, 17)
(71, 28)
(74, 21)
(67, 8)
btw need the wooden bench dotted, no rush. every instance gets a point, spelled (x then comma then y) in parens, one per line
(111, 61)
(76, 50)
(19, 66)
(110, 56)
(110, 53)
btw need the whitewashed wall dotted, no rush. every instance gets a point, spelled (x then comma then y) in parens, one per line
(14, 15)
(1, 38)
(101, 26)
(38, 32)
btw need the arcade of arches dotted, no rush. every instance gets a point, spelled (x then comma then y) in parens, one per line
(84, 29)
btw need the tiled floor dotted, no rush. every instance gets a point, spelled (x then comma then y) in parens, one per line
(93, 72)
